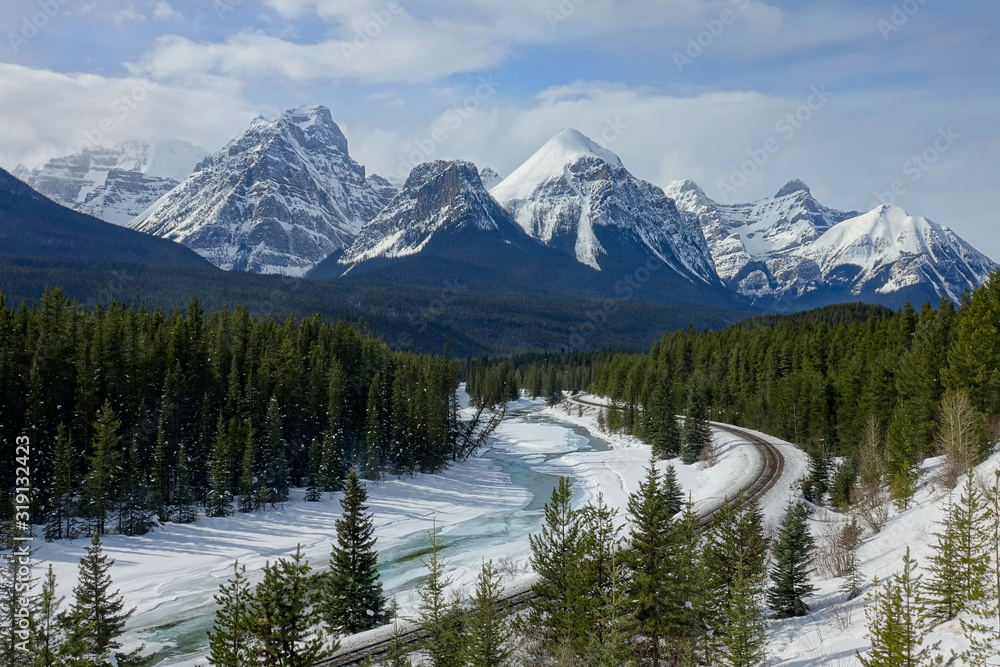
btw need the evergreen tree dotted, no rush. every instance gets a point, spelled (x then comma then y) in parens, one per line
(160, 488)
(849, 538)
(817, 481)
(650, 544)
(439, 618)
(14, 638)
(49, 632)
(275, 482)
(314, 492)
(249, 499)
(670, 489)
(895, 624)
(744, 641)
(685, 587)
(663, 431)
(97, 615)
(488, 628)
(284, 607)
(352, 599)
(843, 483)
(220, 493)
(960, 563)
(697, 432)
(790, 573)
(231, 640)
(60, 523)
(557, 612)
(103, 463)
(184, 504)
(134, 516)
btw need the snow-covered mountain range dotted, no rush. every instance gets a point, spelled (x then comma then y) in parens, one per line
(577, 196)
(114, 184)
(279, 198)
(791, 249)
(286, 197)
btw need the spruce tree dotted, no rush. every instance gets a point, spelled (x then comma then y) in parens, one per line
(961, 560)
(284, 607)
(275, 467)
(103, 463)
(849, 538)
(895, 624)
(664, 432)
(160, 487)
(60, 520)
(314, 492)
(439, 618)
(790, 572)
(352, 599)
(12, 639)
(49, 631)
(672, 492)
(697, 432)
(220, 476)
(249, 499)
(557, 612)
(817, 481)
(97, 615)
(685, 596)
(649, 546)
(231, 641)
(743, 636)
(134, 516)
(488, 627)
(185, 510)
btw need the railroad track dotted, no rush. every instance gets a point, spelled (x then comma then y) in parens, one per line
(770, 473)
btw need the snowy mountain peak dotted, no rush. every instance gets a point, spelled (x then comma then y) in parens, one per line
(21, 173)
(573, 144)
(279, 198)
(792, 187)
(490, 178)
(438, 197)
(683, 186)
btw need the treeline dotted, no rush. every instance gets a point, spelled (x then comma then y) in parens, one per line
(136, 414)
(539, 374)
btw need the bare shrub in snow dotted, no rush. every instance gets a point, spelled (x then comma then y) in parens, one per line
(961, 436)
(871, 452)
(835, 547)
(872, 503)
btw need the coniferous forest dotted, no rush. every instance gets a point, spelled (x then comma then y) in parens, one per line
(137, 414)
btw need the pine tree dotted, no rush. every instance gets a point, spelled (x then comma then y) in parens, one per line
(849, 538)
(103, 462)
(697, 432)
(49, 631)
(817, 481)
(284, 607)
(231, 640)
(275, 481)
(160, 487)
(134, 516)
(250, 497)
(685, 587)
(60, 523)
(184, 504)
(98, 616)
(649, 542)
(744, 641)
(14, 638)
(672, 492)
(439, 618)
(961, 560)
(665, 434)
(557, 610)
(220, 493)
(790, 573)
(895, 624)
(352, 599)
(488, 627)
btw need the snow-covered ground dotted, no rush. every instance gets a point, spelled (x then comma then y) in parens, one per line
(485, 509)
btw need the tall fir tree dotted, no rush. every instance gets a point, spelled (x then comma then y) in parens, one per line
(649, 546)
(97, 614)
(790, 572)
(352, 599)
(231, 641)
(103, 463)
(439, 617)
(557, 612)
(697, 432)
(663, 431)
(160, 484)
(49, 632)
(959, 565)
(220, 492)
(671, 490)
(488, 626)
(249, 499)
(275, 466)
(60, 523)
(134, 515)
(185, 510)
(743, 636)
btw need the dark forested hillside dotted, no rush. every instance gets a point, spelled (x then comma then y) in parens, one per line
(131, 409)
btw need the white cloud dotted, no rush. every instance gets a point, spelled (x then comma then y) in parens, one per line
(48, 114)
(163, 12)
(128, 15)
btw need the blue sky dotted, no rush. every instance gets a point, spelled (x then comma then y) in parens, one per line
(855, 98)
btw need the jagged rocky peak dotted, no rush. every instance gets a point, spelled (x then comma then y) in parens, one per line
(792, 187)
(437, 198)
(21, 173)
(279, 198)
(386, 190)
(490, 178)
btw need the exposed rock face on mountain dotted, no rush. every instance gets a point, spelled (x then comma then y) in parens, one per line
(32, 225)
(792, 249)
(576, 196)
(115, 184)
(278, 199)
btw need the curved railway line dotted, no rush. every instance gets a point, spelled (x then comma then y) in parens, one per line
(770, 473)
